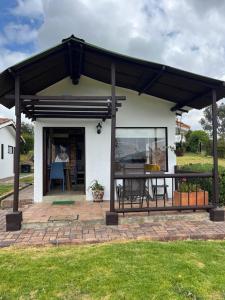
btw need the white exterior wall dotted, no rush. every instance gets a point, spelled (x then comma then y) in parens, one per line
(136, 111)
(7, 138)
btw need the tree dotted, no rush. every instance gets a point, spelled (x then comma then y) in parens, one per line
(27, 132)
(196, 138)
(206, 120)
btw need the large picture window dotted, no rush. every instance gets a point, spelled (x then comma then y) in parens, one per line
(142, 146)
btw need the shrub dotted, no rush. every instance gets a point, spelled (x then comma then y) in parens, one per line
(196, 138)
(206, 183)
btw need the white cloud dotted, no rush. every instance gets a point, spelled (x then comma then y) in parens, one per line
(9, 58)
(187, 34)
(29, 8)
(19, 33)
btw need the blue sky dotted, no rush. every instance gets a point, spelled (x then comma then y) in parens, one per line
(187, 34)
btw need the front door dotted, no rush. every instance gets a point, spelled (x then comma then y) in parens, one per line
(66, 146)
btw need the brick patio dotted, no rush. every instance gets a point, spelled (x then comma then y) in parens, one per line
(81, 231)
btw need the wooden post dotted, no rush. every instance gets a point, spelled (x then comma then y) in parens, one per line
(17, 150)
(112, 216)
(216, 214)
(13, 220)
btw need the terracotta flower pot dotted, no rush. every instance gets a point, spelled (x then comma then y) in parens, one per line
(97, 195)
(181, 198)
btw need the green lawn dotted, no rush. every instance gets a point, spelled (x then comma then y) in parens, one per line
(5, 188)
(134, 270)
(192, 158)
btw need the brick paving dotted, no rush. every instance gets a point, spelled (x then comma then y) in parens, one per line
(81, 233)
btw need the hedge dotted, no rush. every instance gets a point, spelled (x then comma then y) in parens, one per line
(206, 183)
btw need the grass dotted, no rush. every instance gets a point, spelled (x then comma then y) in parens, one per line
(193, 158)
(8, 187)
(27, 179)
(133, 270)
(4, 189)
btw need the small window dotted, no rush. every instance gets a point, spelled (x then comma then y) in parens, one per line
(2, 151)
(10, 149)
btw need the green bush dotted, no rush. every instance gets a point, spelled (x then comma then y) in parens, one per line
(196, 138)
(206, 183)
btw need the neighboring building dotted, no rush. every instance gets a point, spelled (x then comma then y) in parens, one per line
(181, 130)
(7, 145)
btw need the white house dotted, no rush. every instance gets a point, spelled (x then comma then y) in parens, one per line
(103, 116)
(138, 122)
(7, 145)
(181, 130)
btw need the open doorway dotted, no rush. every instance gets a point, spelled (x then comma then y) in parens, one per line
(64, 161)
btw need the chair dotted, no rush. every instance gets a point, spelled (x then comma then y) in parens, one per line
(133, 190)
(159, 187)
(57, 172)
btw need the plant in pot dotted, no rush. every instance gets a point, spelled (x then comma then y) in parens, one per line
(97, 191)
(178, 149)
(190, 194)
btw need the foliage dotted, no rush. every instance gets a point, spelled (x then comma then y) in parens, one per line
(206, 183)
(27, 133)
(194, 139)
(96, 186)
(186, 187)
(206, 120)
(132, 270)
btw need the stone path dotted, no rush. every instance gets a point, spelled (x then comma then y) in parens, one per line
(81, 233)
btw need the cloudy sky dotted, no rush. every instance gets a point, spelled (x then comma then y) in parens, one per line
(188, 34)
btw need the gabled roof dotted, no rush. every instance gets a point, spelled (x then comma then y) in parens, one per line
(7, 122)
(75, 57)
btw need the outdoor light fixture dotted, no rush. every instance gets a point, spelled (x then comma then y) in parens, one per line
(99, 128)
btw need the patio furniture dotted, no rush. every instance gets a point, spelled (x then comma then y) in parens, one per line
(57, 173)
(133, 190)
(159, 187)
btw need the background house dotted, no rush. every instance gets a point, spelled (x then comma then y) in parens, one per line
(181, 130)
(7, 145)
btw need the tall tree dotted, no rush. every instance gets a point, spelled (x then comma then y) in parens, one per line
(206, 120)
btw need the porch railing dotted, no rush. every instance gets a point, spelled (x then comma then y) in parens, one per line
(163, 192)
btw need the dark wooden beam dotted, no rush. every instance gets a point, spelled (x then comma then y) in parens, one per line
(103, 117)
(190, 101)
(153, 80)
(70, 113)
(43, 103)
(67, 109)
(70, 60)
(113, 137)
(215, 152)
(17, 148)
(66, 98)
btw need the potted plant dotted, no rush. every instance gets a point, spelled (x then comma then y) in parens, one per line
(190, 194)
(97, 191)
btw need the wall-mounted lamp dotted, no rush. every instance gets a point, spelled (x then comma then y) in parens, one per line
(99, 128)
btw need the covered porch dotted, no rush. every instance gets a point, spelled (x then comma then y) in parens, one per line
(133, 191)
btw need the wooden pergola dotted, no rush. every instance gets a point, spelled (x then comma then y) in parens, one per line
(20, 84)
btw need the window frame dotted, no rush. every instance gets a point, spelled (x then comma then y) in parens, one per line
(2, 151)
(152, 127)
(10, 148)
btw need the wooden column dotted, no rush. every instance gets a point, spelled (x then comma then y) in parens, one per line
(14, 219)
(17, 149)
(113, 137)
(215, 153)
(112, 216)
(216, 214)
